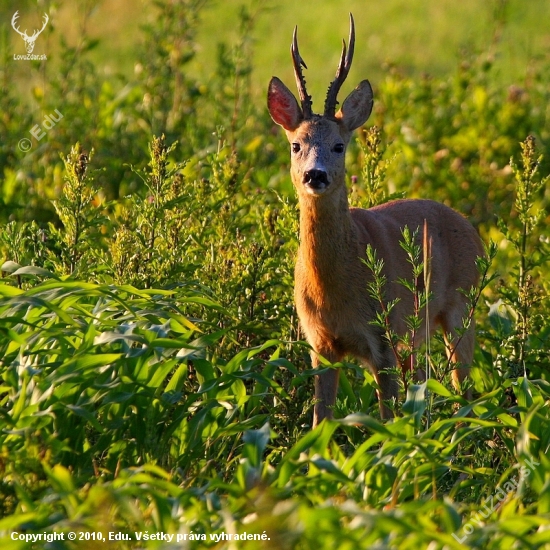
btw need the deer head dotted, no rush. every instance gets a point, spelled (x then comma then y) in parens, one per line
(29, 40)
(318, 142)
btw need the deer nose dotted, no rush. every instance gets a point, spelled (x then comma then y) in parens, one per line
(316, 179)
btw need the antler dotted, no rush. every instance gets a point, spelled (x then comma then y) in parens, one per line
(298, 63)
(342, 71)
(14, 22)
(24, 34)
(46, 19)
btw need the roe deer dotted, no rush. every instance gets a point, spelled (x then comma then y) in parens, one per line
(333, 304)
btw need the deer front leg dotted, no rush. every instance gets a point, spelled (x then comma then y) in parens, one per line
(460, 354)
(460, 348)
(326, 388)
(388, 392)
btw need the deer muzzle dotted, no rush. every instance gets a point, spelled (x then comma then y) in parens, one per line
(315, 181)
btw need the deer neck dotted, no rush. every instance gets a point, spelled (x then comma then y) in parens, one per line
(328, 251)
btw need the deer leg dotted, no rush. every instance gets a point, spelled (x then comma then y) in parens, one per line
(388, 392)
(460, 352)
(326, 388)
(413, 369)
(383, 369)
(419, 373)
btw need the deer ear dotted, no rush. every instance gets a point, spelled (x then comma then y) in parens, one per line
(282, 105)
(357, 107)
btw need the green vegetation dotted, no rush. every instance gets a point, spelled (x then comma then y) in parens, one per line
(152, 374)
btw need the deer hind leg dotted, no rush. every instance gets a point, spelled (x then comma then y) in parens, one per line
(386, 378)
(326, 386)
(460, 349)
(410, 366)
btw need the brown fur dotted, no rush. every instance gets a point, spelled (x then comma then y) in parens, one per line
(335, 309)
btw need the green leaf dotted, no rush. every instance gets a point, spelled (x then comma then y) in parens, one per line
(87, 415)
(37, 271)
(255, 444)
(10, 267)
(415, 403)
(9, 291)
(437, 387)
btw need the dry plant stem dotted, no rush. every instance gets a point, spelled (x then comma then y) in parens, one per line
(427, 263)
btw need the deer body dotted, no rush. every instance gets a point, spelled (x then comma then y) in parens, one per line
(333, 304)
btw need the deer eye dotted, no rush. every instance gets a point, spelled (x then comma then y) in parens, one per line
(295, 147)
(338, 148)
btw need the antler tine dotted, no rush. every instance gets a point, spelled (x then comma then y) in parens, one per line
(298, 63)
(14, 22)
(46, 19)
(342, 72)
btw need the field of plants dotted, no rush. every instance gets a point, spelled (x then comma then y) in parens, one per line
(155, 388)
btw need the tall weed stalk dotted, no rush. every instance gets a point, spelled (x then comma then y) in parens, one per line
(524, 296)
